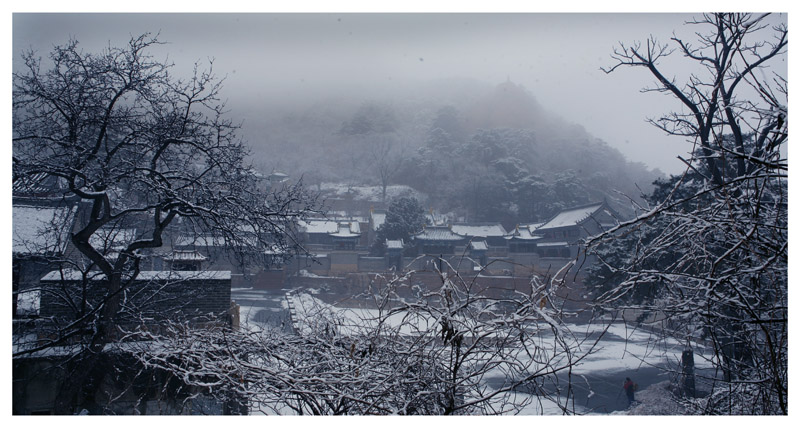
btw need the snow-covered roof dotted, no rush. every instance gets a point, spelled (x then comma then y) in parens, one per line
(185, 255)
(532, 226)
(343, 216)
(552, 244)
(331, 227)
(438, 233)
(147, 275)
(484, 230)
(243, 238)
(478, 246)
(524, 232)
(433, 219)
(394, 244)
(319, 226)
(41, 230)
(278, 177)
(347, 230)
(571, 217)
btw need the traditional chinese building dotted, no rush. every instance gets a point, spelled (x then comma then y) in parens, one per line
(562, 233)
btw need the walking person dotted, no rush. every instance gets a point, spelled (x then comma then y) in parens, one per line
(629, 387)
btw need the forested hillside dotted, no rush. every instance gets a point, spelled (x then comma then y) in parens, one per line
(483, 153)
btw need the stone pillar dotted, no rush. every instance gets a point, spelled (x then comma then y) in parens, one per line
(687, 373)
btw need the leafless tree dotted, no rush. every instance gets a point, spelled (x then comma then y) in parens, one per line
(713, 246)
(450, 349)
(137, 147)
(387, 159)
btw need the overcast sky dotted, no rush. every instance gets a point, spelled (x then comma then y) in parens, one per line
(557, 57)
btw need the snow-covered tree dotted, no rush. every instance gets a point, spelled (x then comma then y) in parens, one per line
(404, 218)
(141, 149)
(447, 349)
(711, 247)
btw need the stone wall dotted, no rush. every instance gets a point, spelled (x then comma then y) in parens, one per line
(269, 280)
(372, 264)
(343, 262)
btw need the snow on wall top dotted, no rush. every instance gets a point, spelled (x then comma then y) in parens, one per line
(571, 217)
(482, 230)
(40, 230)
(152, 275)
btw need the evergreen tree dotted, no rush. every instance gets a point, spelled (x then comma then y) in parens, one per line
(404, 218)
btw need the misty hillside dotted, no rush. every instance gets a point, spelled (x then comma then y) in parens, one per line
(484, 153)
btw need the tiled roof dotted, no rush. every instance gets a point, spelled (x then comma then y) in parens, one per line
(571, 217)
(394, 244)
(525, 233)
(438, 233)
(38, 184)
(478, 246)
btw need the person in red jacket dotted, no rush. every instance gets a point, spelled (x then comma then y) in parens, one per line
(629, 387)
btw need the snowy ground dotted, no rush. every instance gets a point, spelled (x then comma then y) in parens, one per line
(597, 380)
(258, 308)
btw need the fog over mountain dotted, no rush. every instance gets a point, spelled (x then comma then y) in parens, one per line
(299, 60)
(440, 136)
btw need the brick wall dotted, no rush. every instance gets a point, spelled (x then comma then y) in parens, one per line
(162, 295)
